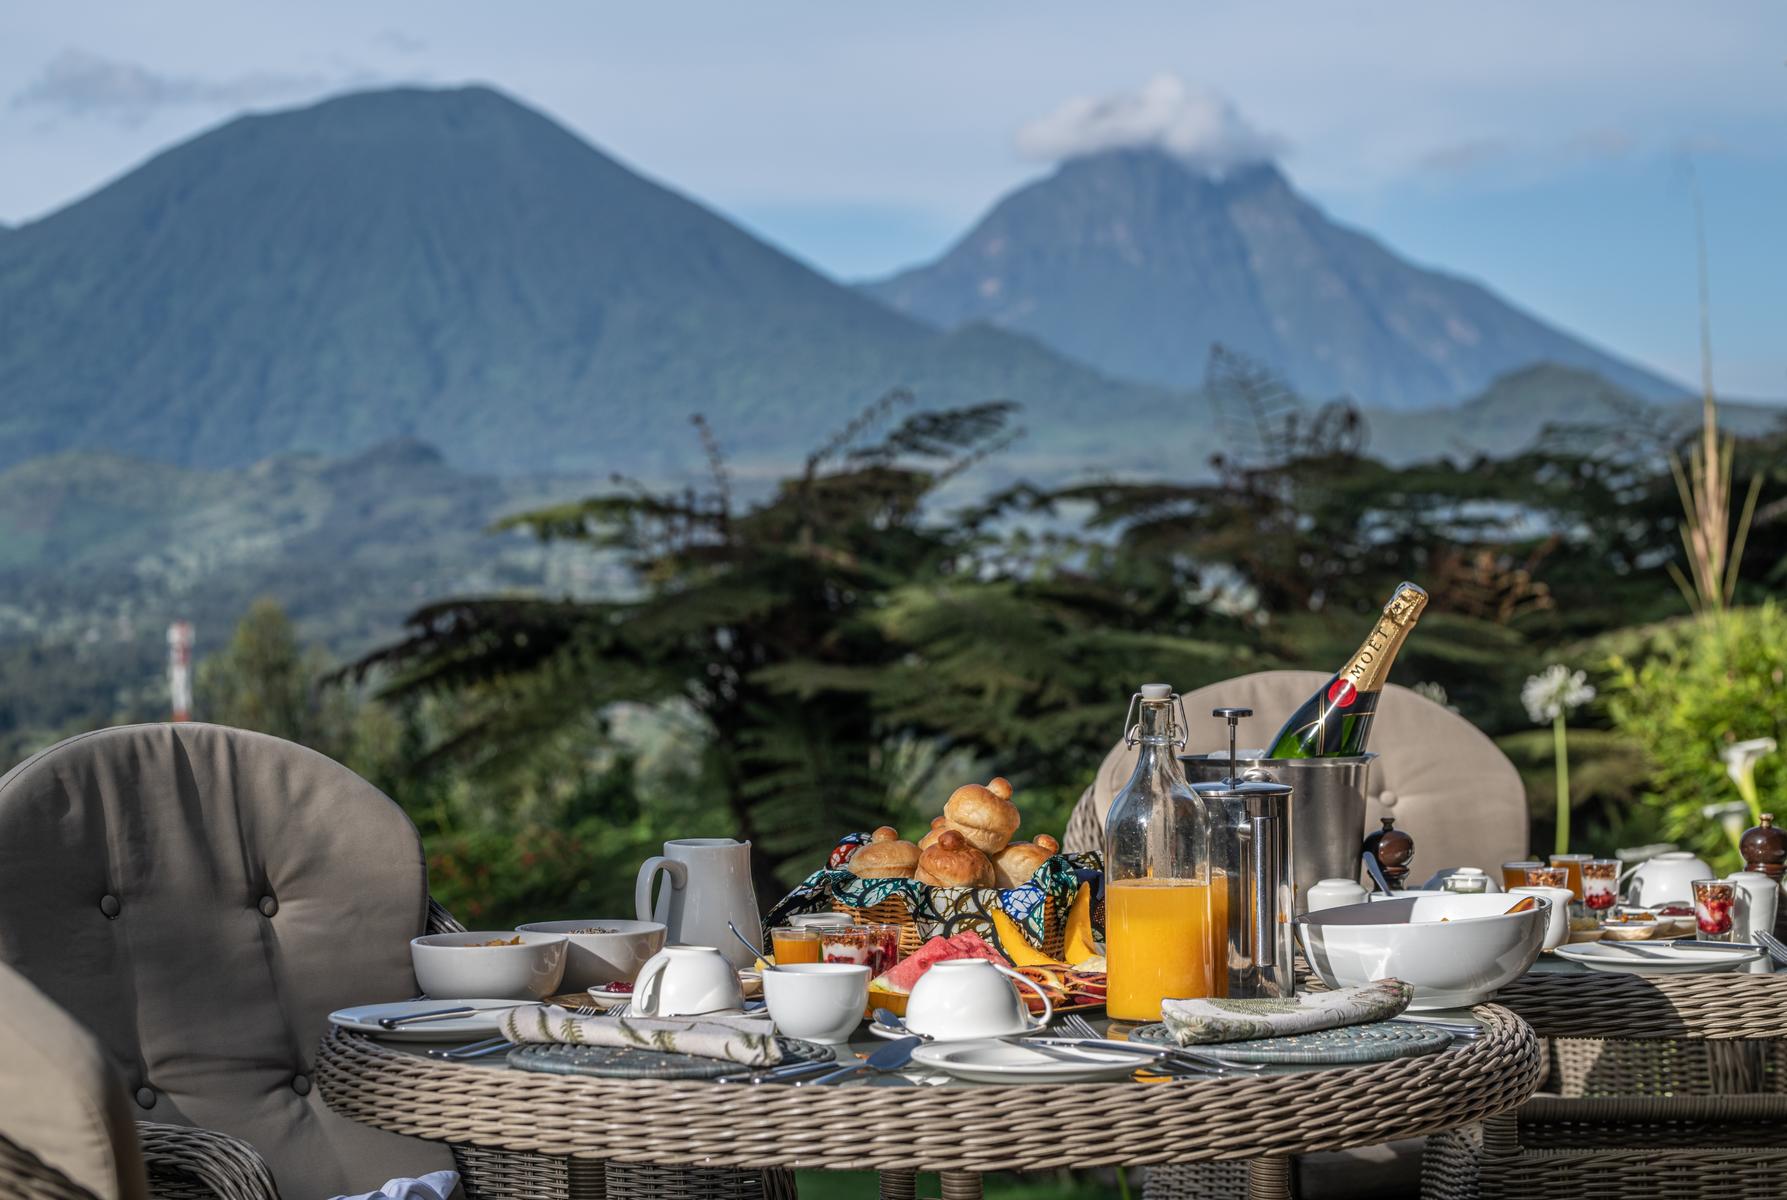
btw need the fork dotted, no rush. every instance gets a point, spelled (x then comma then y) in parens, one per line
(1074, 1025)
(1776, 950)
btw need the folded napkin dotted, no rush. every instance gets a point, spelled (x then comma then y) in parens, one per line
(1195, 1022)
(747, 1040)
(436, 1185)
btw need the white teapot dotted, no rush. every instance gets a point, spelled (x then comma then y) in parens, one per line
(1666, 879)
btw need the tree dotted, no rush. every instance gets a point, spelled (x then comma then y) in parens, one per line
(265, 681)
(836, 641)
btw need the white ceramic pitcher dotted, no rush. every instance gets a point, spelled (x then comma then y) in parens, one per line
(707, 883)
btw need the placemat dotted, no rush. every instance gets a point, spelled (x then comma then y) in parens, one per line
(1380, 1041)
(630, 1062)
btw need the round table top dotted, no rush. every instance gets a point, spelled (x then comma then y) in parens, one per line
(946, 1128)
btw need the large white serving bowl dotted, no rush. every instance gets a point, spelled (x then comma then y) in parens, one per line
(451, 966)
(602, 951)
(1455, 950)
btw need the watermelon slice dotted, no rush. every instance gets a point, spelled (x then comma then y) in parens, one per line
(966, 944)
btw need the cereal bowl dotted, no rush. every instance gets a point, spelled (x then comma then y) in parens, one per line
(602, 951)
(509, 965)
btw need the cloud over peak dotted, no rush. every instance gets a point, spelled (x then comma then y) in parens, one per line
(81, 84)
(1193, 124)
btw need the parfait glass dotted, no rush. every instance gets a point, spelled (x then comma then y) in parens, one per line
(1715, 902)
(1600, 885)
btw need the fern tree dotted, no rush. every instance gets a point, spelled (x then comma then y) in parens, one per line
(838, 639)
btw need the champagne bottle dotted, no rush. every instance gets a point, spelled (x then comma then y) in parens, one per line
(1336, 721)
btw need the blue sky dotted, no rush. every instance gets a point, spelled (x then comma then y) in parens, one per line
(1544, 149)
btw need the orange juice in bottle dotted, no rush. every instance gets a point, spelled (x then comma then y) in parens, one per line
(1159, 932)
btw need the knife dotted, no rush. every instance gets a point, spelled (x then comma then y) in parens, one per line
(1691, 944)
(446, 1014)
(890, 1057)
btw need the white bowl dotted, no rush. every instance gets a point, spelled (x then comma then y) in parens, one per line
(451, 966)
(593, 959)
(1458, 961)
(820, 1002)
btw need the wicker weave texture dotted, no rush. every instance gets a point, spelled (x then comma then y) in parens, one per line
(1591, 1067)
(186, 1163)
(1615, 1149)
(1196, 1181)
(936, 1129)
(1726, 1005)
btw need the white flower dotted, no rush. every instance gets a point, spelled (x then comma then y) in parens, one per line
(1741, 759)
(1555, 692)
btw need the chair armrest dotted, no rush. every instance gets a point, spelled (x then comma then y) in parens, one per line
(186, 1162)
(440, 920)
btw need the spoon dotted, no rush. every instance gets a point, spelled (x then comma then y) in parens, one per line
(1376, 871)
(747, 941)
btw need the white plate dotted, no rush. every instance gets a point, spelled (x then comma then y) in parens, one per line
(472, 1027)
(984, 1060)
(1650, 958)
(881, 1031)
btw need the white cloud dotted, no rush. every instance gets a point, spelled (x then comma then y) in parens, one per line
(81, 84)
(1193, 124)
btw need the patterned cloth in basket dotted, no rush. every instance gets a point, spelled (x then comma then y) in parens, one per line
(1039, 907)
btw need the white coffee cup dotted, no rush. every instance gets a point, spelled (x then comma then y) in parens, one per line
(1557, 924)
(685, 981)
(1332, 893)
(821, 1002)
(963, 998)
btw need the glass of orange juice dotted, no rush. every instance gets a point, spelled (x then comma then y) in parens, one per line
(1514, 873)
(792, 945)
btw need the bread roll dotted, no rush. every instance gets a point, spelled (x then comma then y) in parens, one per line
(938, 825)
(987, 819)
(952, 862)
(1014, 865)
(884, 857)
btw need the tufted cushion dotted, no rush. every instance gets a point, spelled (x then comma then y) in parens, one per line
(60, 1099)
(201, 898)
(1446, 783)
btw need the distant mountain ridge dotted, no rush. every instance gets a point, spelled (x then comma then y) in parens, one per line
(455, 266)
(1135, 263)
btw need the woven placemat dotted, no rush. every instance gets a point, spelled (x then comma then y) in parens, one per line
(630, 1062)
(1379, 1041)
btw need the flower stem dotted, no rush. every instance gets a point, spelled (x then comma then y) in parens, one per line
(1562, 753)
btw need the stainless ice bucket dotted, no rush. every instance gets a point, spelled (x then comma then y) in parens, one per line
(1327, 807)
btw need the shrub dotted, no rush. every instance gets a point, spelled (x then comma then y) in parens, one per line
(1699, 686)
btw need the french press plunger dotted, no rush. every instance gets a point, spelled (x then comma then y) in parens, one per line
(1250, 856)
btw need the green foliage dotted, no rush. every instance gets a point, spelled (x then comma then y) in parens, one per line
(1701, 685)
(838, 645)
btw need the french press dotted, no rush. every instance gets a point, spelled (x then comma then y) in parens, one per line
(1251, 867)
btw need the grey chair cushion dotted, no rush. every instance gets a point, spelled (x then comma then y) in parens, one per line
(59, 1097)
(201, 898)
(1446, 783)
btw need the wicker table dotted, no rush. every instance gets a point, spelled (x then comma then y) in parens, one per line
(1677, 1082)
(958, 1130)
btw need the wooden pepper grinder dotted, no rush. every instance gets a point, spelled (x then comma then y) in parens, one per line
(1394, 851)
(1765, 848)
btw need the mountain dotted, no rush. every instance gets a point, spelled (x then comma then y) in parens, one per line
(1517, 407)
(454, 266)
(1134, 262)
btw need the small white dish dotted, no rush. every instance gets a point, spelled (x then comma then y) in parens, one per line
(605, 999)
(990, 1061)
(1652, 959)
(364, 1018)
(466, 964)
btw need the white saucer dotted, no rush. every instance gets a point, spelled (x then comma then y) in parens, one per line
(471, 1027)
(881, 1031)
(1650, 958)
(986, 1060)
